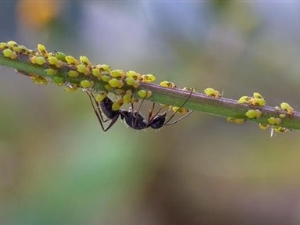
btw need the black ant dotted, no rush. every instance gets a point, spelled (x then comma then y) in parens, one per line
(132, 118)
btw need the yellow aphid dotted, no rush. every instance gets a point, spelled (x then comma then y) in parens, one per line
(115, 83)
(101, 96)
(132, 82)
(96, 72)
(257, 95)
(144, 93)
(117, 74)
(51, 72)
(230, 119)
(282, 115)
(167, 84)
(117, 105)
(40, 60)
(239, 121)
(105, 78)
(39, 79)
(286, 107)
(3, 45)
(274, 121)
(148, 78)
(127, 97)
(104, 67)
(108, 87)
(179, 109)
(9, 53)
(253, 113)
(281, 129)
(212, 93)
(33, 59)
(85, 60)
(60, 56)
(73, 73)
(87, 83)
(263, 126)
(257, 101)
(71, 60)
(244, 99)
(42, 49)
(54, 61)
(133, 74)
(236, 120)
(20, 49)
(12, 44)
(81, 68)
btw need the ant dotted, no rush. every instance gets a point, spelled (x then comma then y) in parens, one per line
(132, 118)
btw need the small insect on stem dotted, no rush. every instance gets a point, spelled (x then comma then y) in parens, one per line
(134, 119)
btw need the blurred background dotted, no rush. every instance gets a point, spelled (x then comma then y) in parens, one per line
(58, 167)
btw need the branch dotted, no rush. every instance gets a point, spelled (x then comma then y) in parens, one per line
(42, 66)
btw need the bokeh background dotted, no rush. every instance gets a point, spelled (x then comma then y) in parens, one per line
(58, 167)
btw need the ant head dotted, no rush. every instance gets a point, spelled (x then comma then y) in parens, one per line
(158, 121)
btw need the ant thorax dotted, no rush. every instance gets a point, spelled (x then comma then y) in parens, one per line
(133, 119)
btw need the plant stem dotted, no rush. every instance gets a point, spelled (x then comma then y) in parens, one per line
(223, 107)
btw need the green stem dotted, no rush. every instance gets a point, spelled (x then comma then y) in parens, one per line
(223, 107)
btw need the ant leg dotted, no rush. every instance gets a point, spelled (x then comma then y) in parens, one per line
(151, 117)
(99, 113)
(150, 113)
(136, 114)
(167, 122)
(176, 121)
(113, 121)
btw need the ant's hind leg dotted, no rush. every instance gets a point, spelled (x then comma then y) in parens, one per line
(96, 109)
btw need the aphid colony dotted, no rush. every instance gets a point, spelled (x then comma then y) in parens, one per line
(257, 102)
(66, 70)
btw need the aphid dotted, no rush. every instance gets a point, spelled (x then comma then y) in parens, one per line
(286, 107)
(167, 84)
(244, 99)
(133, 119)
(210, 92)
(253, 113)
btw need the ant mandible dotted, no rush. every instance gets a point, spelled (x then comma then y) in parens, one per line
(133, 119)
